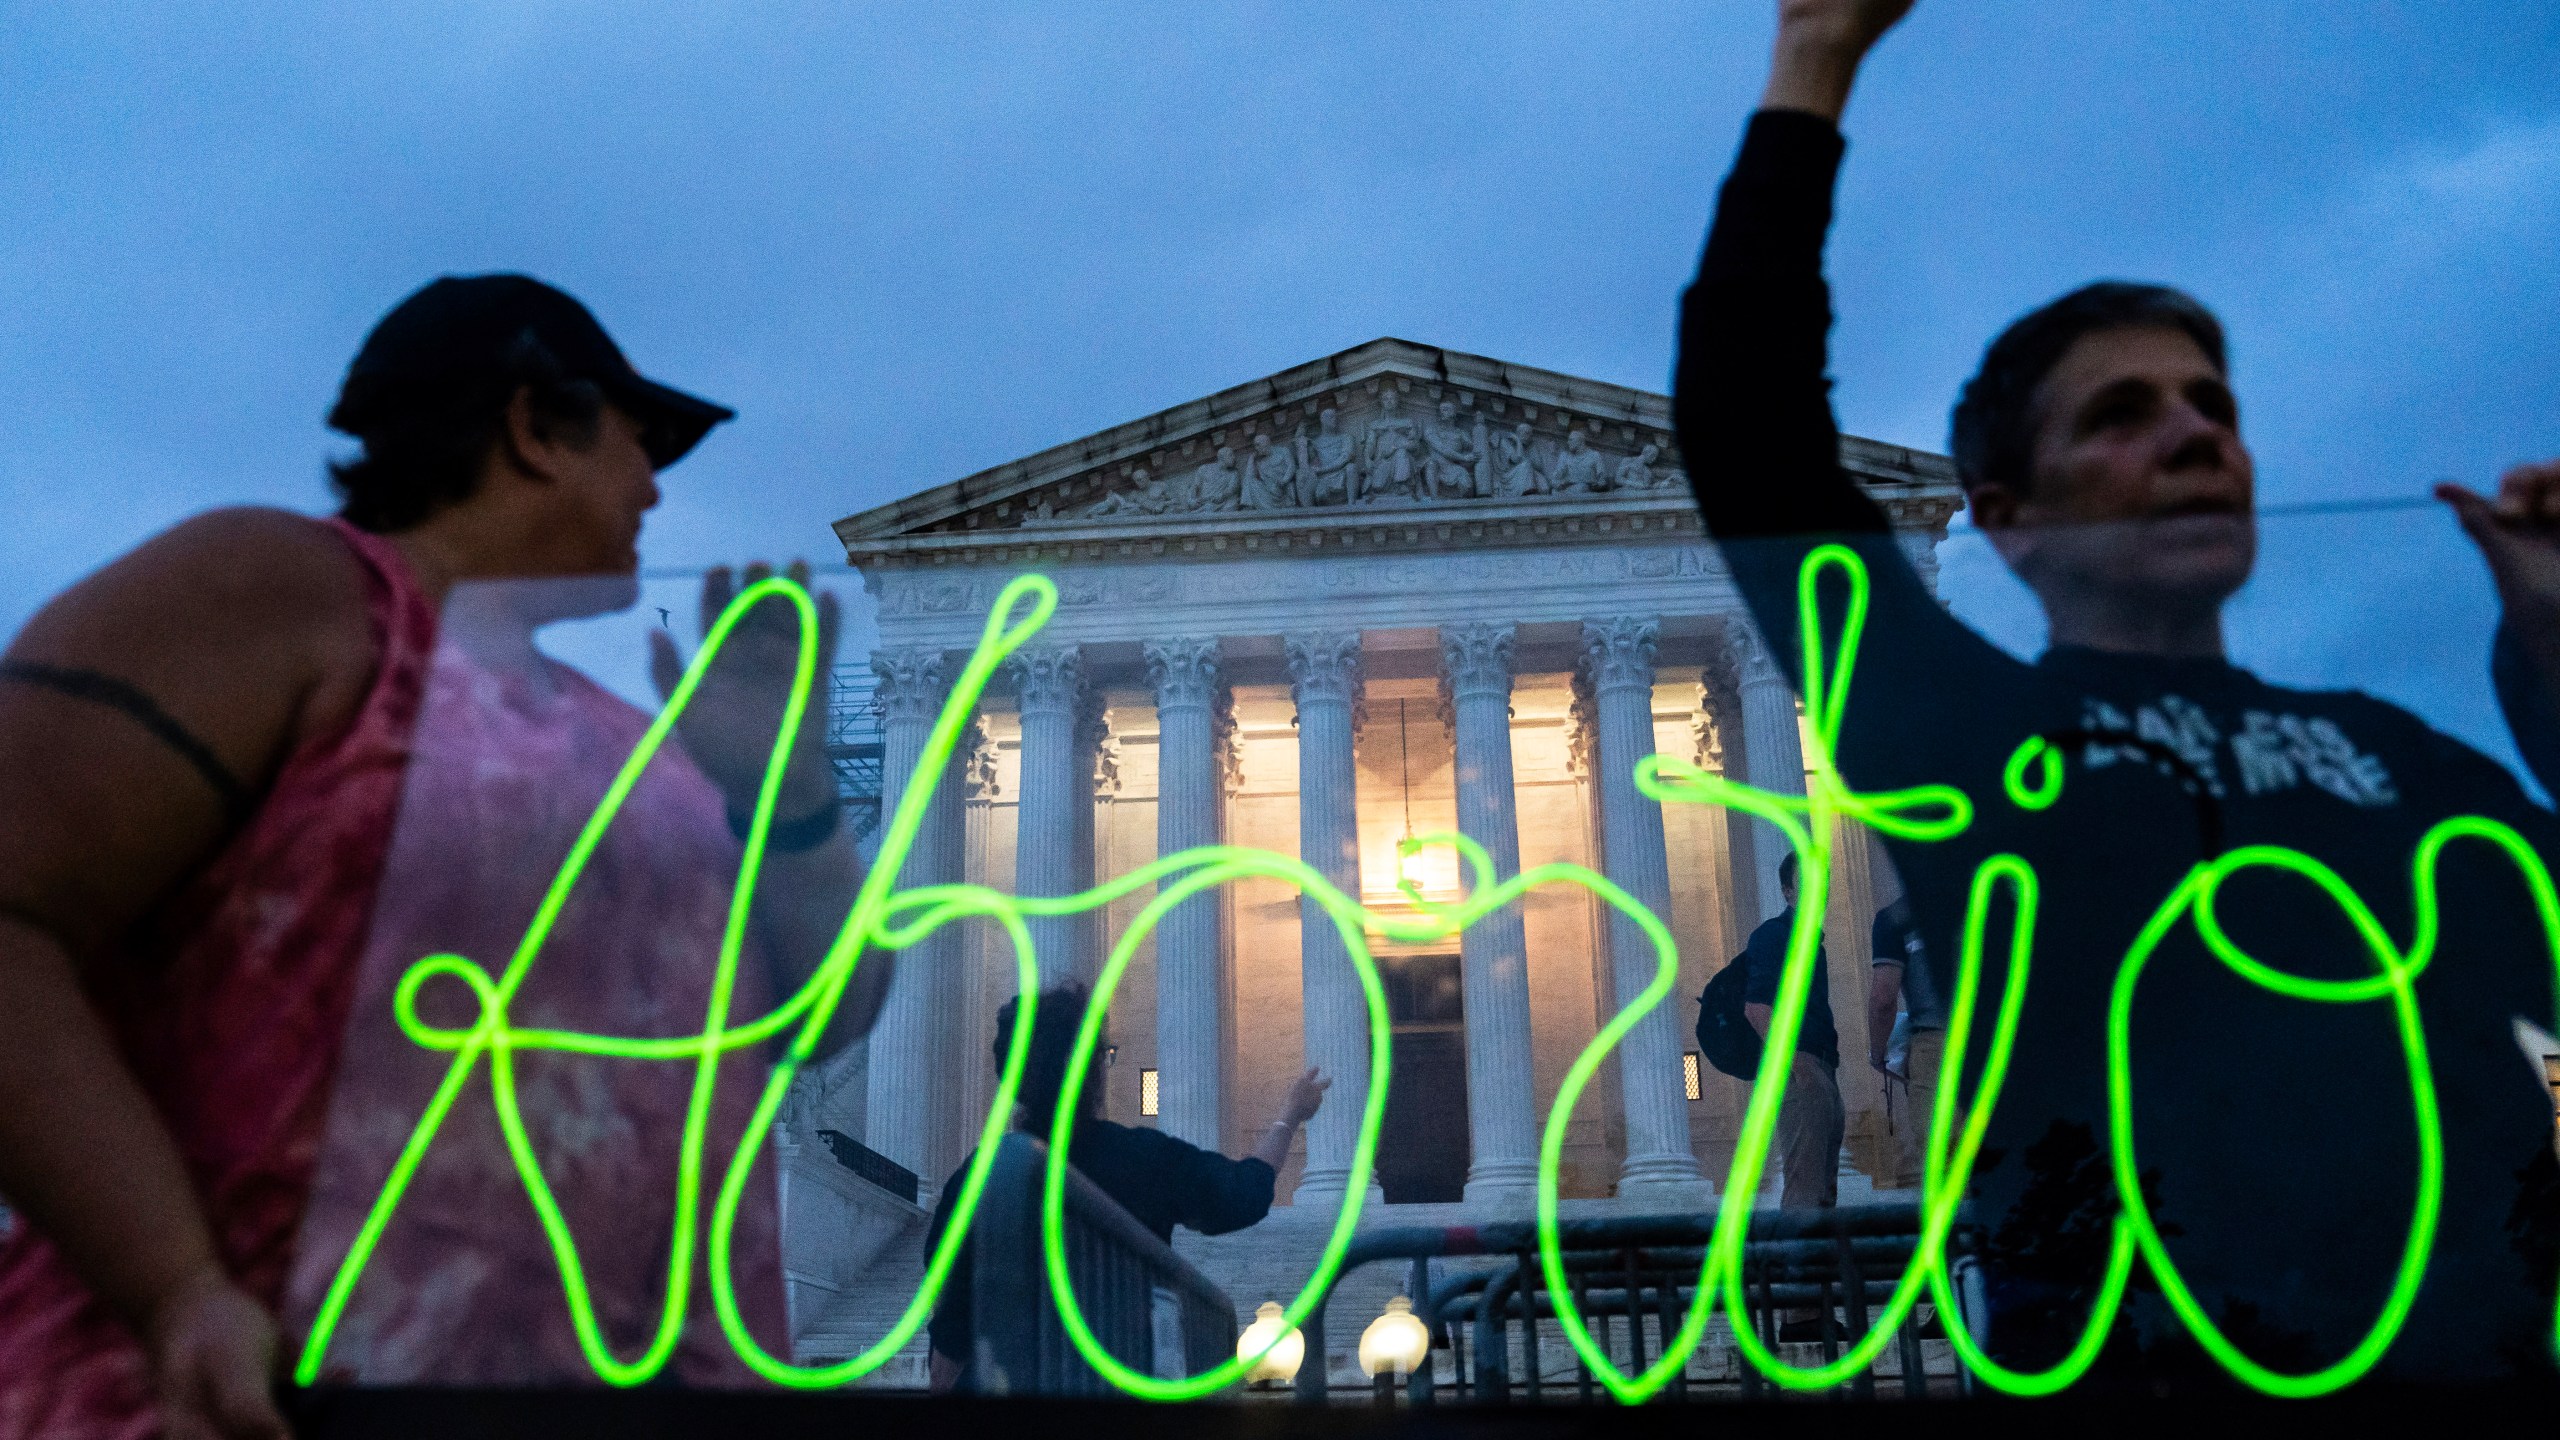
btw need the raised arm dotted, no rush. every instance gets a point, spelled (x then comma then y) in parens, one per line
(810, 870)
(140, 714)
(1306, 1096)
(1223, 1195)
(1751, 397)
(1752, 400)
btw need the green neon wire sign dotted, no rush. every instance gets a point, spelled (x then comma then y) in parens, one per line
(883, 918)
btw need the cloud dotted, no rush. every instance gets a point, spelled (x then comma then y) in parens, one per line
(2429, 201)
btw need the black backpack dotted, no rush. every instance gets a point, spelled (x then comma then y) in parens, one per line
(1725, 1035)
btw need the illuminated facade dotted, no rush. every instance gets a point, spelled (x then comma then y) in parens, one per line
(1396, 591)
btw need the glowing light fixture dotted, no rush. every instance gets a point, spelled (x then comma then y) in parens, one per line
(1690, 1080)
(1406, 872)
(1287, 1348)
(1395, 1342)
(1150, 1092)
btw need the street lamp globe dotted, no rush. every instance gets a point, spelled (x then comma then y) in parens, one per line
(1396, 1341)
(1277, 1341)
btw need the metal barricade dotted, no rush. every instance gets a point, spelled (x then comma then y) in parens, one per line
(1624, 1271)
(1118, 1268)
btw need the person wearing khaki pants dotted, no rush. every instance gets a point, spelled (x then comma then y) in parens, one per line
(1812, 1122)
(1903, 985)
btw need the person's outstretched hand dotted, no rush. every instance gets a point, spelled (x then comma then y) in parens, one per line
(213, 1354)
(1856, 23)
(1306, 1096)
(1820, 45)
(729, 727)
(2519, 535)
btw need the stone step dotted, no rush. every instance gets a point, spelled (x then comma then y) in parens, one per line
(858, 1316)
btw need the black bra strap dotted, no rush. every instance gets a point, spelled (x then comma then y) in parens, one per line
(144, 711)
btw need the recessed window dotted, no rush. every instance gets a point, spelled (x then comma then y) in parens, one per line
(1691, 1082)
(1148, 1094)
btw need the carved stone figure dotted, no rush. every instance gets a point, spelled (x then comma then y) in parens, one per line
(1333, 476)
(1394, 445)
(1578, 467)
(1484, 460)
(1143, 497)
(1515, 465)
(1636, 471)
(1449, 462)
(1216, 485)
(1270, 477)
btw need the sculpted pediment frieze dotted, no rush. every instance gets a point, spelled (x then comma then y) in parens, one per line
(1385, 434)
(1371, 447)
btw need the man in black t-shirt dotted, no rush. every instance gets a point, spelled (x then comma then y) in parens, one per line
(1161, 1181)
(2275, 1140)
(1811, 1124)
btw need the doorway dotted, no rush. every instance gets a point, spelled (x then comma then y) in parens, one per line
(1423, 1148)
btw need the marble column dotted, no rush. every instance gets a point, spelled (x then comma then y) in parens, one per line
(1049, 681)
(1848, 938)
(1772, 753)
(1660, 1166)
(947, 974)
(1228, 740)
(1184, 673)
(987, 955)
(1475, 674)
(1325, 679)
(1727, 858)
(1853, 893)
(898, 1108)
(1098, 762)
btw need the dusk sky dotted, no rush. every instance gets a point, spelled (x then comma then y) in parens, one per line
(910, 242)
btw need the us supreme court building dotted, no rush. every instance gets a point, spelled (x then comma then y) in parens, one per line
(1395, 591)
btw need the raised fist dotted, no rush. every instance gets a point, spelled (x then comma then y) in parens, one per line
(1820, 45)
(1853, 25)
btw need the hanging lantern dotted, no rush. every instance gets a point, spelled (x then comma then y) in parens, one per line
(1286, 1346)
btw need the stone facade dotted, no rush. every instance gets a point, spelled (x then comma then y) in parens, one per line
(1253, 588)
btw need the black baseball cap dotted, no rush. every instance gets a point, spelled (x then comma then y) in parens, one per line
(462, 330)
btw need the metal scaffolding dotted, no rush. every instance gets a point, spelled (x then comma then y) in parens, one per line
(853, 746)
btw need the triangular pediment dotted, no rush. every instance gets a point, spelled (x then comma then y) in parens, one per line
(1387, 431)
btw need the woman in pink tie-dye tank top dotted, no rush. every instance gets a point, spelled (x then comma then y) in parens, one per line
(241, 781)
